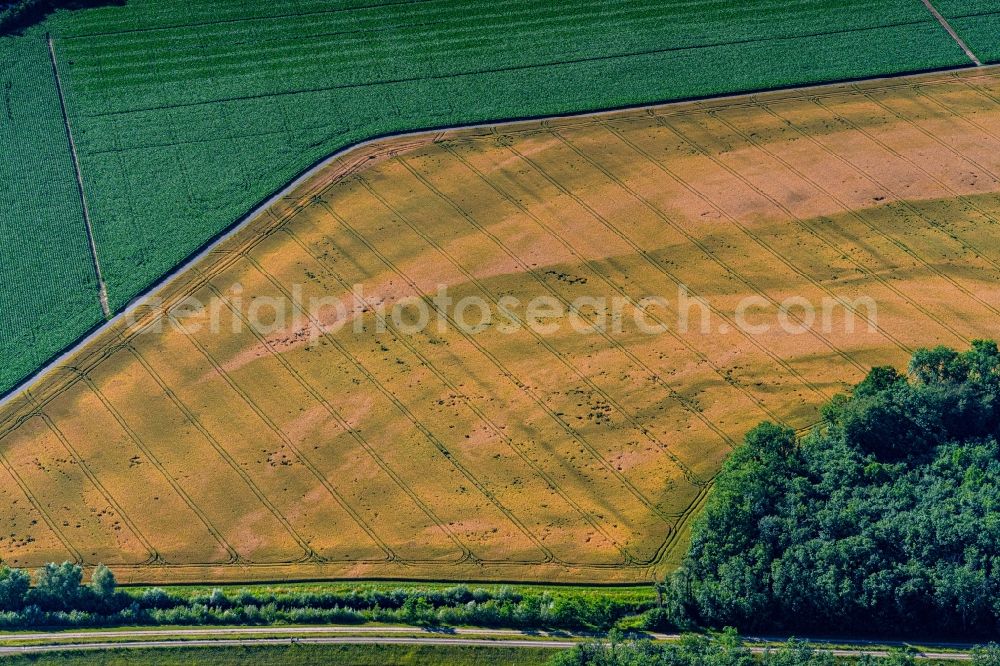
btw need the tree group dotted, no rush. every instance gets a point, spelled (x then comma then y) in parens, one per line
(886, 518)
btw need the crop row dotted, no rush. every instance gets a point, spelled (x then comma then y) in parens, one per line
(981, 35)
(49, 292)
(956, 8)
(187, 114)
(978, 23)
(209, 63)
(198, 166)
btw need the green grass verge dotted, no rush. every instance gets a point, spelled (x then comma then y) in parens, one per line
(342, 655)
(188, 113)
(637, 594)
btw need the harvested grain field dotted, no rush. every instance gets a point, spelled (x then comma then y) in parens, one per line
(306, 424)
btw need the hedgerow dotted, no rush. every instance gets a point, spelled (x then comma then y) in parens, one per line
(60, 599)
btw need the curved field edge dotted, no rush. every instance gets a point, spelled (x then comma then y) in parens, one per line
(25, 405)
(355, 164)
(350, 159)
(14, 382)
(170, 159)
(21, 406)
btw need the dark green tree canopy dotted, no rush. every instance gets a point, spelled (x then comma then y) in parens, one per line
(17, 15)
(886, 515)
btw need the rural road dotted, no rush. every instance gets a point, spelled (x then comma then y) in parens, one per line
(245, 642)
(40, 642)
(290, 632)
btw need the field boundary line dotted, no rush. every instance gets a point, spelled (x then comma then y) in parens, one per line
(383, 144)
(173, 284)
(102, 287)
(674, 538)
(951, 31)
(837, 89)
(507, 643)
(236, 636)
(94, 357)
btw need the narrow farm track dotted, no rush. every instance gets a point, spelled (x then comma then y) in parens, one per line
(102, 285)
(951, 32)
(109, 640)
(298, 426)
(183, 118)
(442, 642)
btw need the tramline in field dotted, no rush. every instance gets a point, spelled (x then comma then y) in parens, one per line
(186, 115)
(383, 449)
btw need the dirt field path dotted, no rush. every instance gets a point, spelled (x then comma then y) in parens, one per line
(101, 640)
(102, 285)
(273, 413)
(951, 31)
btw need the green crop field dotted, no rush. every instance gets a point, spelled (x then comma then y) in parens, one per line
(978, 23)
(188, 113)
(49, 291)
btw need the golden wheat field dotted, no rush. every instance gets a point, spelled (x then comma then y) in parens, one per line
(336, 440)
